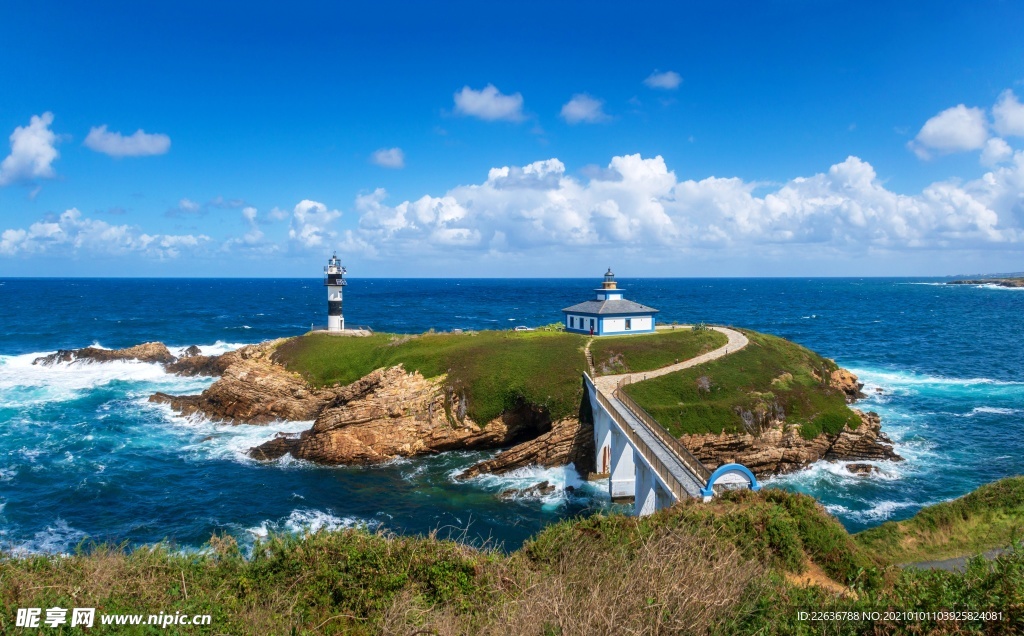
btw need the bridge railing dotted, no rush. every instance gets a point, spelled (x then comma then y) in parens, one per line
(685, 456)
(659, 467)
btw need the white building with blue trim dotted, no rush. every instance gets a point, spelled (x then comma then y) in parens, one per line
(610, 314)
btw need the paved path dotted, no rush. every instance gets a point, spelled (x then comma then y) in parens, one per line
(607, 383)
(653, 436)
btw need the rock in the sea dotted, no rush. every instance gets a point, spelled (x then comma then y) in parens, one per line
(147, 352)
(781, 449)
(198, 364)
(862, 469)
(392, 413)
(536, 490)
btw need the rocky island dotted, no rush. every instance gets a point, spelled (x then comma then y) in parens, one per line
(776, 407)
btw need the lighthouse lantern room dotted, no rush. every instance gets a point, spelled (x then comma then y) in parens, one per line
(334, 281)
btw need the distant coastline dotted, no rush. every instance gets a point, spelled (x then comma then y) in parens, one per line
(998, 282)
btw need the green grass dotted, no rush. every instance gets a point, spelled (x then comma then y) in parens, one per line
(769, 375)
(990, 517)
(493, 369)
(646, 352)
(726, 567)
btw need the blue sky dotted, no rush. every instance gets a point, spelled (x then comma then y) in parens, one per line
(540, 139)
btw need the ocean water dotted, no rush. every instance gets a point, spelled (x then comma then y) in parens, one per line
(85, 456)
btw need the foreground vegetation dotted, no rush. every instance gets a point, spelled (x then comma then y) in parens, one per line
(646, 352)
(745, 563)
(742, 391)
(494, 370)
(990, 517)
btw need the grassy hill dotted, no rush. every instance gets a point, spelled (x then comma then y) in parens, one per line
(630, 354)
(769, 374)
(990, 517)
(744, 563)
(494, 369)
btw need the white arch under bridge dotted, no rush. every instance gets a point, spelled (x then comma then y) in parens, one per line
(644, 461)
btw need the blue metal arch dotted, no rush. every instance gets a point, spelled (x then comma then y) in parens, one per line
(708, 491)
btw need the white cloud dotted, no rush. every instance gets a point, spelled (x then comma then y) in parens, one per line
(489, 104)
(71, 232)
(669, 80)
(996, 151)
(955, 129)
(389, 158)
(647, 208)
(138, 144)
(1008, 114)
(583, 108)
(33, 151)
(310, 225)
(253, 241)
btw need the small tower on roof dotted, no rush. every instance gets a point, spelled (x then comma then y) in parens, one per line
(609, 280)
(609, 313)
(334, 281)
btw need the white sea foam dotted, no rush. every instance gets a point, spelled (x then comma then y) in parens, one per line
(217, 440)
(882, 510)
(561, 477)
(24, 384)
(7, 474)
(994, 410)
(307, 520)
(57, 538)
(215, 349)
(876, 378)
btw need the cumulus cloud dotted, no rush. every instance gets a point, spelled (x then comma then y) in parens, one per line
(310, 225)
(669, 80)
(138, 144)
(389, 158)
(583, 108)
(996, 151)
(71, 232)
(489, 104)
(955, 129)
(1008, 114)
(33, 151)
(647, 207)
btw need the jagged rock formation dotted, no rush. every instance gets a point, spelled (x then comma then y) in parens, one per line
(848, 384)
(251, 390)
(392, 413)
(569, 441)
(146, 352)
(781, 449)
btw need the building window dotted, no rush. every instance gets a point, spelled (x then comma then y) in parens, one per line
(629, 324)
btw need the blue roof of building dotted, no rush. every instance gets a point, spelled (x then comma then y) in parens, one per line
(617, 306)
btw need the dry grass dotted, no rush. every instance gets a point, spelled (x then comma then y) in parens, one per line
(670, 583)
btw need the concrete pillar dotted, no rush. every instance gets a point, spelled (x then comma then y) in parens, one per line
(646, 487)
(602, 433)
(622, 483)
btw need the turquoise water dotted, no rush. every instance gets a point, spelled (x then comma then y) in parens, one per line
(84, 455)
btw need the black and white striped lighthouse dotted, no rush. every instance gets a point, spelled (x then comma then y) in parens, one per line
(334, 281)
